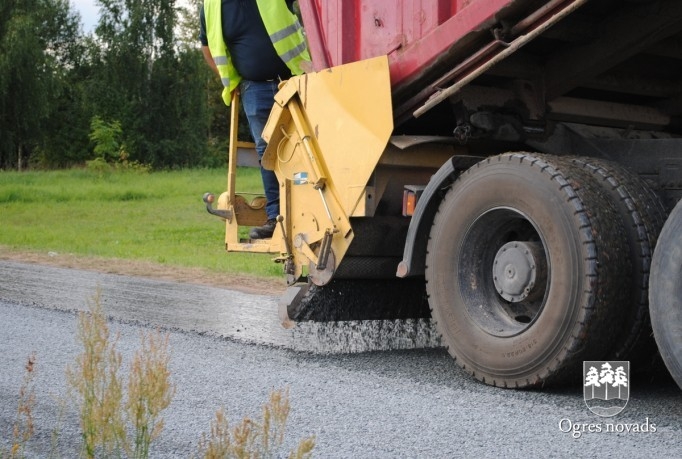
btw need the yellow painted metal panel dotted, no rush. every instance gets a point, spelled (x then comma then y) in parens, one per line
(349, 114)
(325, 136)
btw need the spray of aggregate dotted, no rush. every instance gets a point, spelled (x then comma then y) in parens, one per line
(207, 310)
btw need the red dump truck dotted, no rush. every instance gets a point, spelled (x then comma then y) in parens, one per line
(504, 167)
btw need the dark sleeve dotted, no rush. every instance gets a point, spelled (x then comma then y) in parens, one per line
(290, 5)
(202, 28)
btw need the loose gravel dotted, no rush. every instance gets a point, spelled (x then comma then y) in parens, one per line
(380, 404)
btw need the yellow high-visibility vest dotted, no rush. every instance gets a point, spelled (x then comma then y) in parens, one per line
(283, 27)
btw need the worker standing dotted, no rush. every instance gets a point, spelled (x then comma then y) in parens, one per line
(253, 45)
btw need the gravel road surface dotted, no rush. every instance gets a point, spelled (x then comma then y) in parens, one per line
(356, 397)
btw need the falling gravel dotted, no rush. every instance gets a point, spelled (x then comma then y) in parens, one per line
(228, 351)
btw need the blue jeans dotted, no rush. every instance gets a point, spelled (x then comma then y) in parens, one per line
(257, 99)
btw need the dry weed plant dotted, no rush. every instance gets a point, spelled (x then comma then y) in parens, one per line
(99, 388)
(54, 434)
(254, 440)
(97, 384)
(149, 391)
(23, 426)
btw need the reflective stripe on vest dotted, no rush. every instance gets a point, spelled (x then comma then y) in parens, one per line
(286, 33)
(216, 44)
(284, 30)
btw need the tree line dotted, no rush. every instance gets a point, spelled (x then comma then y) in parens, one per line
(134, 89)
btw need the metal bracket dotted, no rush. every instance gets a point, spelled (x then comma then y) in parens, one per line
(222, 213)
(325, 248)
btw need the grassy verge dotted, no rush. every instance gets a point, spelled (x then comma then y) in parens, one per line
(153, 217)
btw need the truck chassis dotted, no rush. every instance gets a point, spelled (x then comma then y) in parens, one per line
(513, 165)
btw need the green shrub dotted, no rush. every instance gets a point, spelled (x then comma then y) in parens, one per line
(107, 138)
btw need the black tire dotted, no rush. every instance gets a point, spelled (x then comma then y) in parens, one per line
(574, 235)
(665, 293)
(643, 215)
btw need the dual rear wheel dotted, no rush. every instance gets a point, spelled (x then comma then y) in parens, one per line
(536, 263)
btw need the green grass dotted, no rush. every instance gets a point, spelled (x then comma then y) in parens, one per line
(157, 217)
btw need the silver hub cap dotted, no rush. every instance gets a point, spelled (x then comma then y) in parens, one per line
(515, 269)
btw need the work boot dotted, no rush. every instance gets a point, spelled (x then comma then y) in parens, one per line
(265, 231)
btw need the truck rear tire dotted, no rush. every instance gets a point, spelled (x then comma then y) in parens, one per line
(524, 269)
(643, 216)
(665, 294)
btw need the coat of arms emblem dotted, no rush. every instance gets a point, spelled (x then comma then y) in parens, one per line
(606, 386)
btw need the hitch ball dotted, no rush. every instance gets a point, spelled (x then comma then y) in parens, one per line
(209, 198)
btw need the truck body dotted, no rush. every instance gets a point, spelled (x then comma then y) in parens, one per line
(503, 166)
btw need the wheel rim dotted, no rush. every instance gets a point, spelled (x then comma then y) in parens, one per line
(506, 288)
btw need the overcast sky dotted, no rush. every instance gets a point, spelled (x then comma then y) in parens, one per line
(89, 13)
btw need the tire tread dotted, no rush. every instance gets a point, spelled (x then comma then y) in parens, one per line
(600, 232)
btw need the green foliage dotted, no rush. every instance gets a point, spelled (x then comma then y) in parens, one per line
(141, 67)
(21, 89)
(111, 153)
(106, 137)
(99, 166)
(38, 43)
(147, 83)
